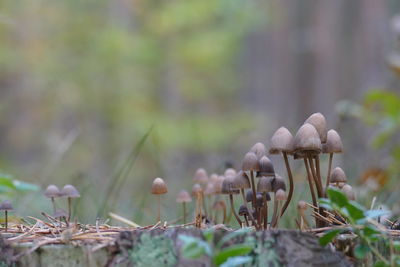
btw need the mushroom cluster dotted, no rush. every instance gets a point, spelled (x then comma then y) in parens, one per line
(69, 192)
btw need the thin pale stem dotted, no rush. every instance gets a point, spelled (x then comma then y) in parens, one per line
(233, 210)
(184, 212)
(253, 188)
(159, 208)
(291, 184)
(69, 209)
(54, 205)
(265, 210)
(318, 170)
(329, 170)
(204, 204)
(276, 223)
(316, 180)
(247, 207)
(274, 214)
(310, 182)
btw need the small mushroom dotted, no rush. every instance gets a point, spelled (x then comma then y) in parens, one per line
(228, 189)
(333, 145)
(6, 206)
(266, 167)
(280, 197)
(159, 188)
(52, 191)
(250, 165)
(183, 197)
(338, 176)
(319, 122)
(264, 186)
(70, 192)
(348, 191)
(61, 214)
(259, 149)
(200, 176)
(244, 211)
(241, 182)
(302, 207)
(230, 172)
(217, 206)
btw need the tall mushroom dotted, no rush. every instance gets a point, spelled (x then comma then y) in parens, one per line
(280, 196)
(183, 197)
(70, 192)
(241, 182)
(228, 189)
(52, 191)
(278, 183)
(264, 186)
(6, 206)
(250, 165)
(282, 142)
(302, 207)
(200, 176)
(259, 149)
(197, 192)
(333, 145)
(159, 188)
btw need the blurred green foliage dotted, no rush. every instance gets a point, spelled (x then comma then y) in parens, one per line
(10, 186)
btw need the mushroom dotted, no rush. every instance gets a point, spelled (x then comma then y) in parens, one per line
(264, 186)
(197, 192)
(70, 192)
(266, 168)
(277, 184)
(338, 176)
(159, 188)
(250, 165)
(348, 191)
(200, 176)
(6, 206)
(244, 211)
(183, 197)
(61, 214)
(319, 122)
(228, 189)
(333, 145)
(219, 205)
(280, 196)
(230, 172)
(52, 191)
(259, 149)
(302, 207)
(241, 182)
(282, 142)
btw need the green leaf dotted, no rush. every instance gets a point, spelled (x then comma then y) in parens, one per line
(371, 232)
(355, 211)
(361, 250)
(329, 236)
(24, 186)
(232, 235)
(232, 251)
(380, 264)
(337, 197)
(396, 245)
(194, 247)
(325, 203)
(208, 235)
(5, 180)
(236, 261)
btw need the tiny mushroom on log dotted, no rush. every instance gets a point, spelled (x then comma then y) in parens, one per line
(70, 192)
(259, 149)
(333, 145)
(337, 177)
(348, 191)
(6, 206)
(228, 189)
(250, 165)
(159, 188)
(200, 176)
(52, 191)
(280, 196)
(264, 186)
(184, 197)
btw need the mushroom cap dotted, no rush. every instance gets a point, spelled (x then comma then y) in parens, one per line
(241, 181)
(333, 143)
(209, 189)
(348, 191)
(302, 205)
(338, 176)
(266, 167)
(59, 213)
(264, 184)
(281, 141)
(243, 210)
(307, 140)
(159, 187)
(250, 162)
(278, 183)
(183, 197)
(319, 122)
(228, 186)
(196, 190)
(213, 178)
(70, 191)
(280, 195)
(200, 176)
(52, 191)
(249, 195)
(218, 184)
(230, 172)
(6, 205)
(260, 200)
(259, 149)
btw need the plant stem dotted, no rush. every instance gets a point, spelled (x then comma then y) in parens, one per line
(291, 184)
(233, 209)
(184, 212)
(159, 208)
(329, 170)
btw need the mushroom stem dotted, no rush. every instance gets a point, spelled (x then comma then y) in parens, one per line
(291, 184)
(54, 204)
(69, 209)
(223, 215)
(247, 222)
(159, 208)
(245, 203)
(329, 170)
(310, 182)
(276, 222)
(265, 211)
(317, 181)
(184, 212)
(274, 214)
(233, 210)
(6, 215)
(204, 203)
(253, 188)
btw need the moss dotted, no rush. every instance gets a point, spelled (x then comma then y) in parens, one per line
(153, 251)
(264, 253)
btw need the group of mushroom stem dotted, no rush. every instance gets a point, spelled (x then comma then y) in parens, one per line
(69, 192)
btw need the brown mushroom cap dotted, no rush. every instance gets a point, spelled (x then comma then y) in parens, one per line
(319, 122)
(259, 149)
(241, 181)
(333, 143)
(228, 186)
(183, 197)
(280, 195)
(209, 189)
(259, 200)
(264, 184)
(278, 183)
(159, 187)
(59, 213)
(281, 141)
(243, 210)
(348, 191)
(249, 195)
(70, 191)
(250, 162)
(213, 178)
(218, 184)
(230, 172)
(219, 205)
(266, 167)
(52, 191)
(302, 205)
(338, 176)
(196, 190)
(307, 140)
(6, 205)
(200, 176)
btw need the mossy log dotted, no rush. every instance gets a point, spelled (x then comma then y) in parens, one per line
(163, 248)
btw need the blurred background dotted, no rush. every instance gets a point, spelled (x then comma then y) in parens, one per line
(108, 95)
